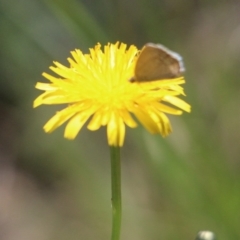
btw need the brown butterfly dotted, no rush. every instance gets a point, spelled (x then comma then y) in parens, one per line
(156, 62)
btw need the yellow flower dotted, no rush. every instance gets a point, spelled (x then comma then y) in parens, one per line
(96, 87)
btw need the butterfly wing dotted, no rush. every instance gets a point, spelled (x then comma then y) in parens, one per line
(157, 62)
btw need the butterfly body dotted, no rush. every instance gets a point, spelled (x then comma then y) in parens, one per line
(156, 62)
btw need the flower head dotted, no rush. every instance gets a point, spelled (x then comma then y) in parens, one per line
(96, 88)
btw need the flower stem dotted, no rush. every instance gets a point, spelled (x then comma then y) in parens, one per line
(116, 192)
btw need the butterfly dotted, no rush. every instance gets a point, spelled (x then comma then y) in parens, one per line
(156, 62)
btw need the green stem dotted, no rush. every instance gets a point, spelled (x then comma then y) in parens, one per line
(116, 192)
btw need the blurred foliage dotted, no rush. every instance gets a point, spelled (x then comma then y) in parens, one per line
(52, 188)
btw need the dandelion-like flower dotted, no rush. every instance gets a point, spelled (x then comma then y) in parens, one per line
(97, 89)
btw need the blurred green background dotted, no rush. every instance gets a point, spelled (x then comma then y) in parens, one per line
(52, 188)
